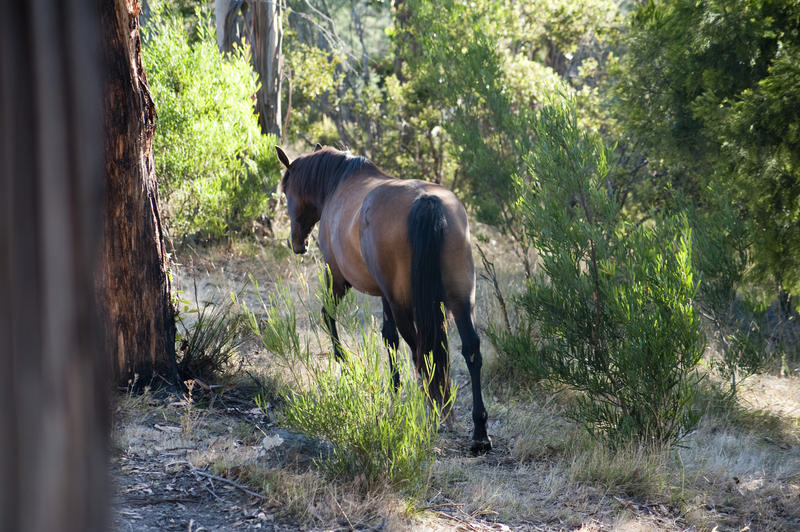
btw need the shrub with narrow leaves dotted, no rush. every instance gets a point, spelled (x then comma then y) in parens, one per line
(612, 308)
(384, 435)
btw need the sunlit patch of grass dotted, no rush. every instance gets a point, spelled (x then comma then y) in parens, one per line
(379, 434)
(209, 335)
(636, 471)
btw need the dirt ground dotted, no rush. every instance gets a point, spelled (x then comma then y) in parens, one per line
(214, 461)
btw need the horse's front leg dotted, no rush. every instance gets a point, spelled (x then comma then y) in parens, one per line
(339, 289)
(392, 341)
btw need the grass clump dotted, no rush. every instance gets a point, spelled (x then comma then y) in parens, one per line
(209, 340)
(380, 436)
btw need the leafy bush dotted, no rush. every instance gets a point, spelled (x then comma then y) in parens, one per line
(216, 169)
(613, 303)
(384, 434)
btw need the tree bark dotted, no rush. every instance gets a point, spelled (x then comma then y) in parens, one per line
(220, 13)
(53, 381)
(233, 19)
(267, 47)
(404, 39)
(133, 286)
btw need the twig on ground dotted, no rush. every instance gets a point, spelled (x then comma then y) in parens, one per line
(147, 501)
(212, 492)
(344, 514)
(443, 505)
(460, 521)
(228, 481)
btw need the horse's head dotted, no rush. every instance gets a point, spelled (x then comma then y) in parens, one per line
(303, 213)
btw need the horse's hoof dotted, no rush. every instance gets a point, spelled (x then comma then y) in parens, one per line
(482, 446)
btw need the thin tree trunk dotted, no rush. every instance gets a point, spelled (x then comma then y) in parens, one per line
(404, 39)
(220, 13)
(232, 20)
(53, 380)
(267, 58)
(133, 285)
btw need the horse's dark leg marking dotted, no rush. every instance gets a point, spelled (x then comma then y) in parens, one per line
(470, 348)
(392, 341)
(339, 290)
(331, 323)
(405, 324)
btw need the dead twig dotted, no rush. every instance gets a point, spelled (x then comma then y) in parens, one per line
(147, 501)
(212, 492)
(462, 522)
(229, 482)
(491, 276)
(443, 505)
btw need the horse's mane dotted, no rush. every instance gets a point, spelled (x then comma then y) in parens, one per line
(316, 175)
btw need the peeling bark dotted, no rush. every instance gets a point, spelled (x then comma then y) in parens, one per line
(133, 285)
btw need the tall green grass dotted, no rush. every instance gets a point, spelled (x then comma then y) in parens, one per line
(209, 334)
(379, 434)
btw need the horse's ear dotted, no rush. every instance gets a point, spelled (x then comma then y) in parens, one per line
(318, 147)
(282, 156)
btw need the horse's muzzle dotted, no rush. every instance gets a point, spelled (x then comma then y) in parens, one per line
(297, 249)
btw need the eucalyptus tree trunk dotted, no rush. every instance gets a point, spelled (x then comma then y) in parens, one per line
(267, 44)
(233, 20)
(53, 380)
(220, 12)
(133, 285)
(260, 23)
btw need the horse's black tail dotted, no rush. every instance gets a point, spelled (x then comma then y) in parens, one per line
(426, 228)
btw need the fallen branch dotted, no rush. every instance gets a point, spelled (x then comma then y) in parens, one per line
(228, 481)
(148, 501)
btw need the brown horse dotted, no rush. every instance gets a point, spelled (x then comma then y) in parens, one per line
(406, 241)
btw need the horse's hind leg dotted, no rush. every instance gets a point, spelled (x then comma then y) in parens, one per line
(470, 349)
(392, 341)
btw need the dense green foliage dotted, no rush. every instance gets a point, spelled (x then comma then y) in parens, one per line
(710, 88)
(613, 304)
(216, 170)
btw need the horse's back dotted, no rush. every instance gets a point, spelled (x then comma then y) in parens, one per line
(386, 247)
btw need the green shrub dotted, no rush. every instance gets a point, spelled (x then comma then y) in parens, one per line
(377, 432)
(613, 302)
(216, 170)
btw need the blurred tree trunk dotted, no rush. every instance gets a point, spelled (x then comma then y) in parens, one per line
(220, 13)
(267, 47)
(133, 286)
(53, 380)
